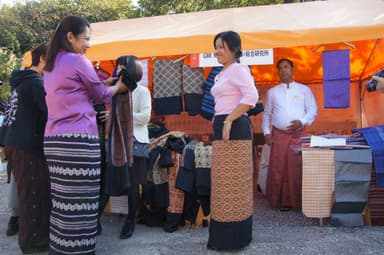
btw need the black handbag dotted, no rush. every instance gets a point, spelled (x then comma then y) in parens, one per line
(140, 149)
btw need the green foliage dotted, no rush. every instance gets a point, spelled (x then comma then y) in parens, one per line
(8, 63)
(163, 7)
(26, 25)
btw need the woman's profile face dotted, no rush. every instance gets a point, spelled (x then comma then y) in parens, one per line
(80, 43)
(223, 54)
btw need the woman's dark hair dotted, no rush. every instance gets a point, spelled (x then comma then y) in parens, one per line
(59, 40)
(39, 51)
(233, 41)
(132, 73)
(135, 72)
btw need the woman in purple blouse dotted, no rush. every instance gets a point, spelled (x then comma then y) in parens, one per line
(235, 93)
(71, 143)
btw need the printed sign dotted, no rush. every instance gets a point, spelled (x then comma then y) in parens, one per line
(250, 57)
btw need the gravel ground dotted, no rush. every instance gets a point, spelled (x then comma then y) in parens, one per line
(274, 232)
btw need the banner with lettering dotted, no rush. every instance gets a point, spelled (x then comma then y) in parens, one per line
(250, 57)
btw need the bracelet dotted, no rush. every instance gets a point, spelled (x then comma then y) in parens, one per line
(227, 122)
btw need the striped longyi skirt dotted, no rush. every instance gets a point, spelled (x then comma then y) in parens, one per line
(74, 166)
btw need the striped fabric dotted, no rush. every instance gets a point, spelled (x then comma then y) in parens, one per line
(375, 138)
(208, 103)
(74, 165)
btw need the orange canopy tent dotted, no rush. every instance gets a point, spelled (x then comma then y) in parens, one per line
(299, 31)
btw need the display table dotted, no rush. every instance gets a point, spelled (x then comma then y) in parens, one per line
(336, 184)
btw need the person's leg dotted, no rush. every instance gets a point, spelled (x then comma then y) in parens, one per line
(133, 199)
(33, 190)
(130, 220)
(13, 224)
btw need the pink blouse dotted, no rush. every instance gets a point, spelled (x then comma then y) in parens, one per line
(234, 86)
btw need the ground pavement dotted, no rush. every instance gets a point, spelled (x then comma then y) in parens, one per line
(274, 232)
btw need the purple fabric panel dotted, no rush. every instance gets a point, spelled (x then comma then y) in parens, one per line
(337, 93)
(336, 78)
(336, 65)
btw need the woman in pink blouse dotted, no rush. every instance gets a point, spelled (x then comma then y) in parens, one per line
(232, 165)
(71, 143)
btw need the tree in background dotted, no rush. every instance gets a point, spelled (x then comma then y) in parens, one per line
(26, 25)
(8, 63)
(30, 23)
(163, 7)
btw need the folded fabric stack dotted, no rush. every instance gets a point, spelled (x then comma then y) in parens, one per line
(375, 138)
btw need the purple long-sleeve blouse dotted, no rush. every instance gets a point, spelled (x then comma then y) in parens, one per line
(72, 87)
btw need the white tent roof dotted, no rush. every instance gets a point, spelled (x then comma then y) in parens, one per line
(270, 26)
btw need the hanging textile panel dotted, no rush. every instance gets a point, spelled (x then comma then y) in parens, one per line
(208, 102)
(167, 78)
(193, 79)
(336, 78)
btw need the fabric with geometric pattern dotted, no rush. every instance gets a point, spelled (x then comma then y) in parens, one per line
(231, 180)
(203, 155)
(176, 196)
(167, 79)
(193, 82)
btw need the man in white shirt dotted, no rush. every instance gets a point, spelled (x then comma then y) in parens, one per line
(289, 107)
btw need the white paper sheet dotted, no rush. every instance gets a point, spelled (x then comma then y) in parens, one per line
(319, 141)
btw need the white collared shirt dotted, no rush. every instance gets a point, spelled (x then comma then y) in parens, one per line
(283, 105)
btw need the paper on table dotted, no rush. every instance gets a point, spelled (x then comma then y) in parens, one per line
(319, 141)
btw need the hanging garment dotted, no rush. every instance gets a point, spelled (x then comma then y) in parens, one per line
(203, 155)
(208, 103)
(336, 78)
(167, 87)
(120, 146)
(186, 177)
(176, 197)
(193, 79)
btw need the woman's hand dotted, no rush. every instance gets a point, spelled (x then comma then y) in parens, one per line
(119, 87)
(104, 116)
(227, 130)
(110, 81)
